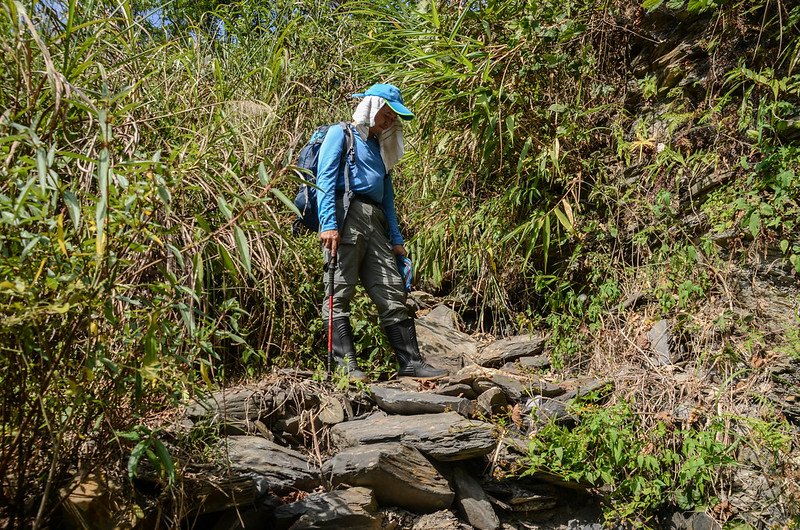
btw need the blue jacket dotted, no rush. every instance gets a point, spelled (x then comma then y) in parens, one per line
(367, 177)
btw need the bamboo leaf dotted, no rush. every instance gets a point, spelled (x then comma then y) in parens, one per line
(165, 460)
(563, 219)
(178, 256)
(243, 247)
(568, 211)
(546, 239)
(136, 456)
(60, 234)
(523, 155)
(262, 174)
(187, 317)
(227, 261)
(224, 208)
(41, 165)
(285, 200)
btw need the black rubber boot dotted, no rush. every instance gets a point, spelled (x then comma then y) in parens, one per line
(403, 338)
(344, 351)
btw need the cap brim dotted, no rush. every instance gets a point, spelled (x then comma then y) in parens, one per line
(400, 109)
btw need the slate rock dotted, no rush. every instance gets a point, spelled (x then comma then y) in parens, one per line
(444, 347)
(660, 337)
(529, 364)
(473, 502)
(396, 401)
(399, 475)
(444, 316)
(271, 466)
(350, 508)
(513, 385)
(509, 349)
(577, 388)
(228, 405)
(441, 520)
(491, 402)
(544, 410)
(446, 436)
(457, 390)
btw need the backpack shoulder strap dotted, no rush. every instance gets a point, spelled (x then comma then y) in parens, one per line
(349, 155)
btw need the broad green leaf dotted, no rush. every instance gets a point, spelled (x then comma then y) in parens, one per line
(227, 261)
(188, 318)
(136, 456)
(41, 165)
(177, 253)
(755, 224)
(165, 460)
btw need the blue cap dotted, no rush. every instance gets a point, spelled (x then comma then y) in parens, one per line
(391, 95)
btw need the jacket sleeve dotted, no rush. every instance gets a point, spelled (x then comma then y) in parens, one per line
(330, 157)
(395, 237)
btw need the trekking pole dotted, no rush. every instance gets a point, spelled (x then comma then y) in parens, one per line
(331, 268)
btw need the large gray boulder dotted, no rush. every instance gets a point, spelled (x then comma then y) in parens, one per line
(399, 475)
(445, 437)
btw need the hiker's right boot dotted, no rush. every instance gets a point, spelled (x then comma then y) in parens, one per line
(403, 338)
(344, 350)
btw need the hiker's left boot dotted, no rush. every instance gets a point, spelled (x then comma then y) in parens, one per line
(403, 338)
(344, 350)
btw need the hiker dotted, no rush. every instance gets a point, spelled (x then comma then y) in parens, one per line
(365, 241)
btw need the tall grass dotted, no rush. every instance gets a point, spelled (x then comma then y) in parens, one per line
(144, 247)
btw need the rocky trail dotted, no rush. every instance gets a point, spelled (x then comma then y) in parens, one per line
(294, 452)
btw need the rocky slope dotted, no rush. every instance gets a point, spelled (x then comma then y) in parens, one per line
(295, 452)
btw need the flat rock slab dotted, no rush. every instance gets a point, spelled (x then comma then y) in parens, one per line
(396, 401)
(272, 467)
(399, 475)
(350, 508)
(509, 349)
(446, 436)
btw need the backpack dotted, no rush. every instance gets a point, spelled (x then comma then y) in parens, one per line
(306, 198)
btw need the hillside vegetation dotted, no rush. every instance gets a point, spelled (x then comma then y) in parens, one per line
(577, 167)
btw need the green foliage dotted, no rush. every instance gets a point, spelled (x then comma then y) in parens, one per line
(643, 469)
(147, 443)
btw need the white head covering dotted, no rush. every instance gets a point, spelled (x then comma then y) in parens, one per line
(391, 140)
